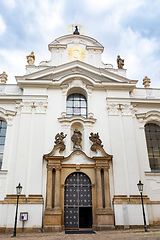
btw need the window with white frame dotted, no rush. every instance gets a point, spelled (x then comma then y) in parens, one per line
(152, 131)
(76, 105)
(3, 128)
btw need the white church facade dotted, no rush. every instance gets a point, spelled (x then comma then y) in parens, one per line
(78, 135)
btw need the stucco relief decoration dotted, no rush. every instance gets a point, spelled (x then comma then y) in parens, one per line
(27, 107)
(113, 109)
(30, 58)
(151, 116)
(94, 137)
(120, 62)
(127, 110)
(7, 115)
(24, 107)
(76, 53)
(40, 107)
(76, 139)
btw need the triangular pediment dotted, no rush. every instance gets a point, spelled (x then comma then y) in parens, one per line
(60, 74)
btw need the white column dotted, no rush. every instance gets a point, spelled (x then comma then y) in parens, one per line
(130, 149)
(117, 150)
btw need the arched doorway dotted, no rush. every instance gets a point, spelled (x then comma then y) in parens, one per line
(78, 201)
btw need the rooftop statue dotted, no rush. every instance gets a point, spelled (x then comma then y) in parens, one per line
(30, 58)
(120, 62)
(76, 31)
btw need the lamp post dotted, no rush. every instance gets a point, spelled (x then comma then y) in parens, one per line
(140, 188)
(18, 190)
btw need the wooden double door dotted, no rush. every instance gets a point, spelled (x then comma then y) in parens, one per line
(78, 201)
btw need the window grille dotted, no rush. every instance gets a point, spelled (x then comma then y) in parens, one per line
(3, 128)
(76, 105)
(153, 145)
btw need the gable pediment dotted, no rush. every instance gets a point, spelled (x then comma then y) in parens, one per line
(60, 74)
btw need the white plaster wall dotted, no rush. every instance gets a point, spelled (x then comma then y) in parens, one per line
(7, 216)
(3, 178)
(135, 214)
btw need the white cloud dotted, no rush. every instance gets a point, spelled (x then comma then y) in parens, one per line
(13, 63)
(10, 3)
(43, 16)
(2, 26)
(100, 6)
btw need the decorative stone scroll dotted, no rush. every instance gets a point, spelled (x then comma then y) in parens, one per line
(77, 139)
(7, 115)
(151, 116)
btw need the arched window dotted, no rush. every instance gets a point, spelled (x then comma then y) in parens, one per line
(153, 145)
(3, 127)
(76, 105)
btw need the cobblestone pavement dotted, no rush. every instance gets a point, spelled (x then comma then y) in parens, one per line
(103, 235)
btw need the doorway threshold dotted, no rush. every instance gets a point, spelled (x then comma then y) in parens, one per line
(80, 231)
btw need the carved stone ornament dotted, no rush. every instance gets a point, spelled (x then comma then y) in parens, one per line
(146, 82)
(127, 110)
(120, 62)
(94, 137)
(59, 138)
(30, 58)
(113, 109)
(77, 139)
(3, 77)
(27, 107)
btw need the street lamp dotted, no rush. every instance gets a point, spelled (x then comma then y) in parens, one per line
(18, 190)
(140, 188)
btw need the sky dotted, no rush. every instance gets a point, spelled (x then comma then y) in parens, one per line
(129, 28)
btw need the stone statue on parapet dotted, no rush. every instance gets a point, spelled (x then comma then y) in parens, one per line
(94, 137)
(120, 62)
(30, 58)
(76, 139)
(59, 138)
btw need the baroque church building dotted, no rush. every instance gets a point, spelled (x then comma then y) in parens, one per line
(78, 135)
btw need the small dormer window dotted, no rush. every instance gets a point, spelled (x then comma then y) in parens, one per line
(76, 105)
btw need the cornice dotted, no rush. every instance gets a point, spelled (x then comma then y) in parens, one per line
(134, 100)
(72, 36)
(76, 118)
(104, 76)
(31, 199)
